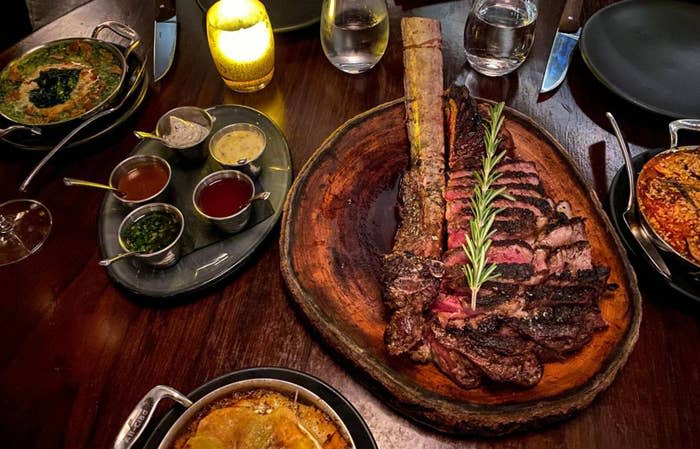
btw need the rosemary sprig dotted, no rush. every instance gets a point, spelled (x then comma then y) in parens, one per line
(478, 241)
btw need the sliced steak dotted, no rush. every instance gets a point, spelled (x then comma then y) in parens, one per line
(465, 134)
(456, 192)
(543, 304)
(510, 252)
(560, 330)
(562, 232)
(502, 356)
(573, 257)
(456, 366)
(410, 284)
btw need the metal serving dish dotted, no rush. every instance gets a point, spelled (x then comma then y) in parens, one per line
(132, 162)
(116, 27)
(191, 152)
(232, 223)
(165, 257)
(250, 167)
(659, 241)
(140, 416)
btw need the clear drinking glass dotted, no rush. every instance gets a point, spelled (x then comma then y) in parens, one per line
(498, 35)
(354, 33)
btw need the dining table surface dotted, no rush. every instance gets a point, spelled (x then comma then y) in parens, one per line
(78, 352)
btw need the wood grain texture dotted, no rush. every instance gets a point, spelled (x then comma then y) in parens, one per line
(337, 222)
(77, 353)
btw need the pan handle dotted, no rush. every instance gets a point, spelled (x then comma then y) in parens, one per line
(121, 30)
(141, 415)
(13, 128)
(686, 123)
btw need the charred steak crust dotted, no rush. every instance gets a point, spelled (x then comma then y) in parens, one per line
(411, 283)
(543, 307)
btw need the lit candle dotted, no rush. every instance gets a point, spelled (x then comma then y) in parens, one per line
(241, 43)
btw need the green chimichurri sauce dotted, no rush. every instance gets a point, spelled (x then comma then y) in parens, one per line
(152, 232)
(55, 87)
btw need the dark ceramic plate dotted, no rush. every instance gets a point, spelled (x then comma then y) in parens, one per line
(619, 192)
(286, 15)
(51, 136)
(352, 419)
(647, 52)
(201, 266)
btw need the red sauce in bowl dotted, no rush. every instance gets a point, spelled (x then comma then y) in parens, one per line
(224, 197)
(143, 181)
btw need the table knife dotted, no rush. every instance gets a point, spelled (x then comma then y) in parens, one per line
(565, 41)
(165, 38)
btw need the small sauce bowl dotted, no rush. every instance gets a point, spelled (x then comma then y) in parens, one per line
(164, 257)
(249, 165)
(211, 194)
(127, 171)
(191, 151)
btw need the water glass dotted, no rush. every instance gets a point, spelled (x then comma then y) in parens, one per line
(354, 33)
(498, 35)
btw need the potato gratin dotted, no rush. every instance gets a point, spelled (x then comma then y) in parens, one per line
(261, 419)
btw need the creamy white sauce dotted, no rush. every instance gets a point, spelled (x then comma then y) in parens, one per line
(184, 133)
(237, 145)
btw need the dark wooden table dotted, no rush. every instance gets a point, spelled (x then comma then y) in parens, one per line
(77, 354)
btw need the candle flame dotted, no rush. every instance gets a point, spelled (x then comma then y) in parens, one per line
(241, 43)
(244, 45)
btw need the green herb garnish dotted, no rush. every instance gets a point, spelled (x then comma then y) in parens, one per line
(55, 87)
(478, 241)
(151, 233)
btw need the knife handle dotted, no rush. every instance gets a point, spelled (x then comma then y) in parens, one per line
(570, 20)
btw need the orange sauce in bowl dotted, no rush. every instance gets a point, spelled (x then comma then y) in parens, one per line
(143, 181)
(668, 193)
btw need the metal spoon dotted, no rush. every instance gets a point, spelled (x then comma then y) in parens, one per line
(259, 196)
(81, 182)
(146, 135)
(630, 214)
(111, 260)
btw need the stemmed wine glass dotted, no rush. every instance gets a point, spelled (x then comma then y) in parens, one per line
(24, 226)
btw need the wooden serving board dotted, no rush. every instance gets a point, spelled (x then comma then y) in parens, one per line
(339, 219)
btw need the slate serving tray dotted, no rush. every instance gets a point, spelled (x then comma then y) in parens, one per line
(208, 255)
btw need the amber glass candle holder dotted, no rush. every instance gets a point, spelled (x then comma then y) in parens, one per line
(241, 43)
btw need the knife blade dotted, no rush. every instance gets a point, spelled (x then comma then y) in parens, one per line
(165, 38)
(563, 46)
